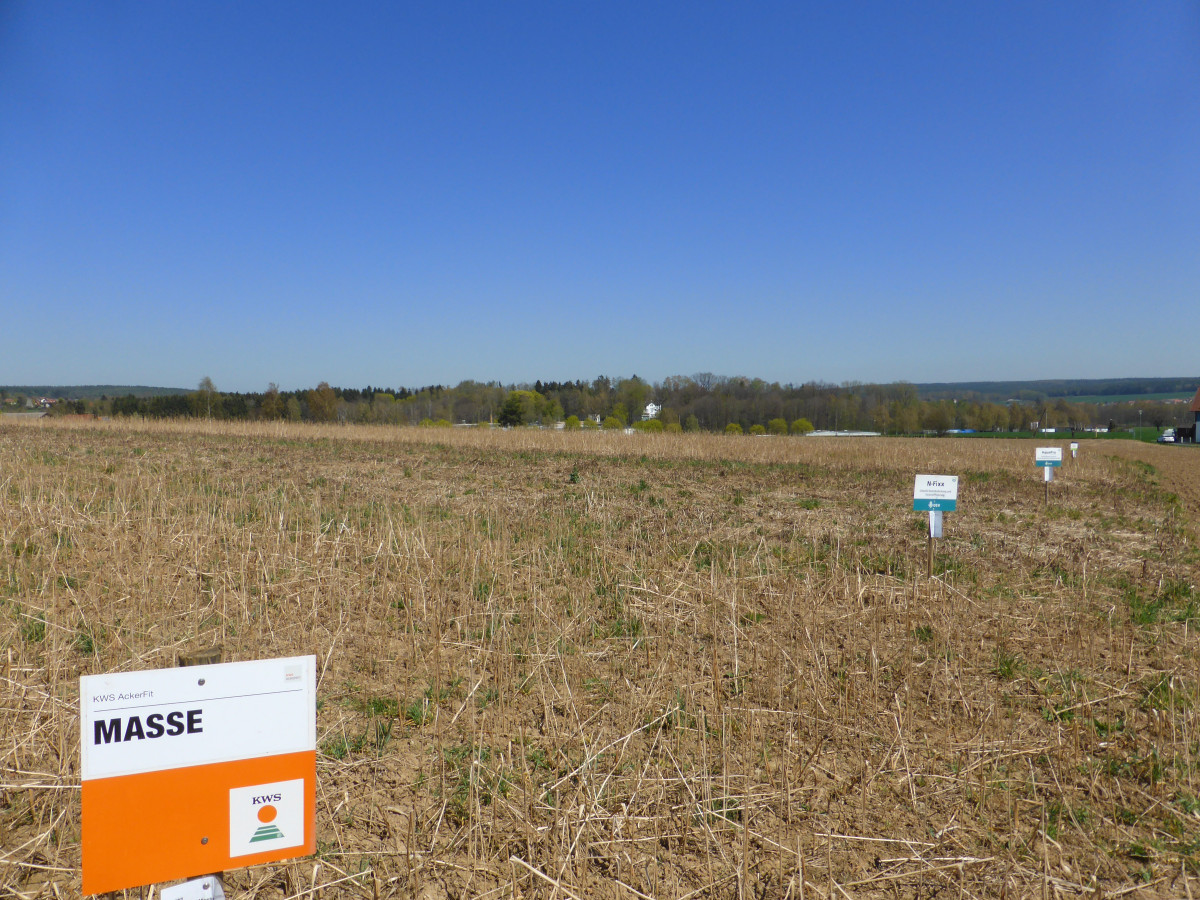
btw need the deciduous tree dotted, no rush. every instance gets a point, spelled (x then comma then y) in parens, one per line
(272, 403)
(322, 403)
(939, 417)
(206, 396)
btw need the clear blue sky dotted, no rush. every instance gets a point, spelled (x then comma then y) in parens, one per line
(403, 194)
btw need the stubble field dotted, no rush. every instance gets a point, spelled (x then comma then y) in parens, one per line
(594, 665)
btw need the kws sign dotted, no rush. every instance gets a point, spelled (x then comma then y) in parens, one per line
(193, 770)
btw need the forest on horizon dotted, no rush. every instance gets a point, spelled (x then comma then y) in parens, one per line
(702, 402)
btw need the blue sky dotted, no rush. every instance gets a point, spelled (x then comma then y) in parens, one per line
(406, 194)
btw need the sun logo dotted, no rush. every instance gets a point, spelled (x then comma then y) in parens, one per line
(267, 831)
(266, 818)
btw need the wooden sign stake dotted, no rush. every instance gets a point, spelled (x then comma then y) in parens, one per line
(1047, 459)
(208, 657)
(937, 494)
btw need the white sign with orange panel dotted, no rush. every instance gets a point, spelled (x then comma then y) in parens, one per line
(199, 769)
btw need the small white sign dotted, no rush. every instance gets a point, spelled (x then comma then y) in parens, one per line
(1074, 449)
(935, 492)
(266, 817)
(936, 487)
(206, 888)
(1048, 454)
(160, 719)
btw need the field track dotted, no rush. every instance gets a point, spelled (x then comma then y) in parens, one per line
(599, 665)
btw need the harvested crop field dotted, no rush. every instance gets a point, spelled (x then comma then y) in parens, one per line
(595, 665)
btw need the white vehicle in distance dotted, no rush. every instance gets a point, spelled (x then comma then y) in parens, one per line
(1167, 437)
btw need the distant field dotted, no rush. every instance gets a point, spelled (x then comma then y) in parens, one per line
(1146, 433)
(1131, 398)
(598, 665)
(89, 391)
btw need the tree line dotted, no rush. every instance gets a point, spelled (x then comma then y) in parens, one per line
(701, 402)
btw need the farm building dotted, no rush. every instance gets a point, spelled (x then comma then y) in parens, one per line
(1188, 435)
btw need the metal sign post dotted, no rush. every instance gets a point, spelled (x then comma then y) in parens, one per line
(212, 886)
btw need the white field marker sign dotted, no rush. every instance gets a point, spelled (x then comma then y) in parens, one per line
(1074, 449)
(1048, 459)
(935, 523)
(206, 888)
(938, 494)
(196, 769)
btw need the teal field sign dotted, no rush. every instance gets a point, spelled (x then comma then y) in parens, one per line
(935, 505)
(1048, 457)
(935, 493)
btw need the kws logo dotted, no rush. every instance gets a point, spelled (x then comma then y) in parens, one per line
(266, 817)
(267, 814)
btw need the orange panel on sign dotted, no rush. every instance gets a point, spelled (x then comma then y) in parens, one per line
(150, 827)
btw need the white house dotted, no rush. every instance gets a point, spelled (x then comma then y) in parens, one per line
(651, 411)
